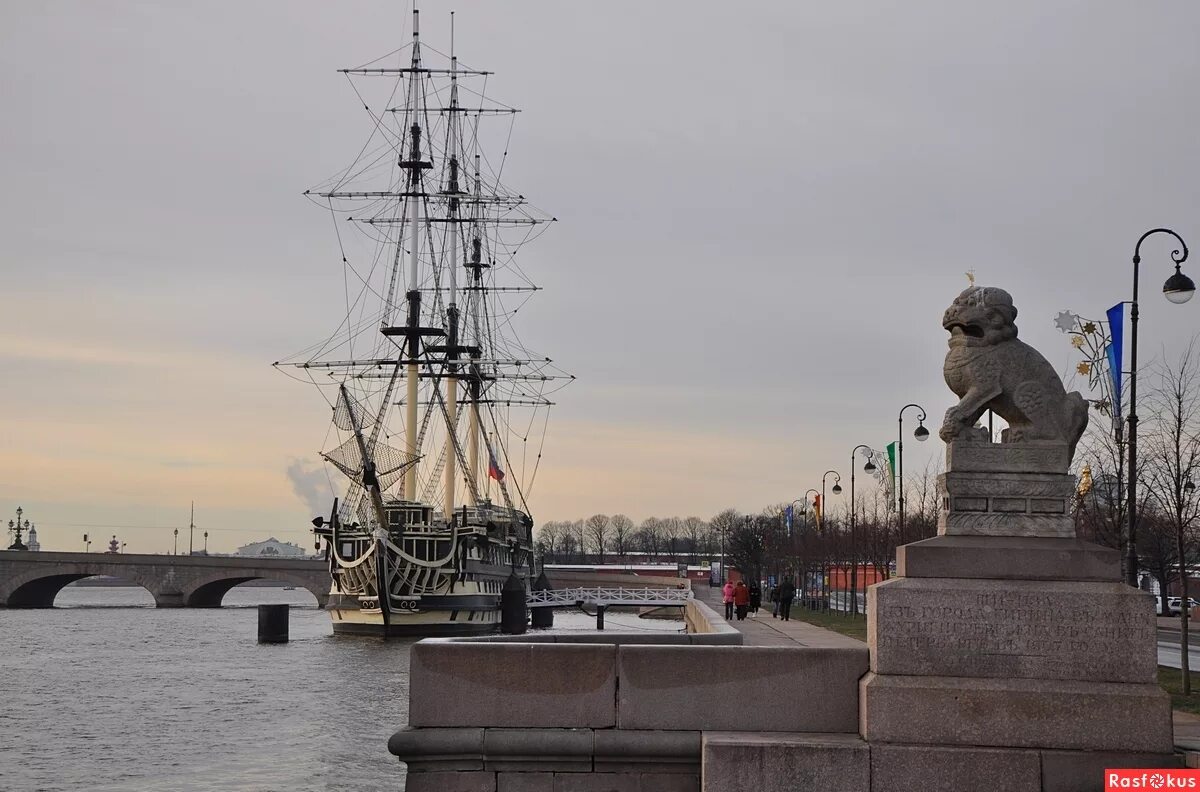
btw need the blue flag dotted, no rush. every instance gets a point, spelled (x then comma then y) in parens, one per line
(788, 518)
(1116, 329)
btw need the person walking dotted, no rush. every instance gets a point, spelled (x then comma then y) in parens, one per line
(774, 595)
(741, 599)
(787, 593)
(755, 598)
(727, 598)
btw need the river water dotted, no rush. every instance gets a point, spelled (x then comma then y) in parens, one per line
(106, 693)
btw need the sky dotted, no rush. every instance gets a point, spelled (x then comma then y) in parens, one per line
(763, 210)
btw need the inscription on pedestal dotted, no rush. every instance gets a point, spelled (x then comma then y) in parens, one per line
(1093, 631)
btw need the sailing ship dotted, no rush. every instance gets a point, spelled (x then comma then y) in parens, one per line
(439, 410)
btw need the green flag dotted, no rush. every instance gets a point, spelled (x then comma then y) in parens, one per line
(891, 453)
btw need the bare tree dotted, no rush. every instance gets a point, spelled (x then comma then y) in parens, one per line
(650, 537)
(597, 531)
(622, 534)
(722, 523)
(1172, 464)
(693, 528)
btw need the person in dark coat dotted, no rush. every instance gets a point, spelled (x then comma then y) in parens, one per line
(787, 593)
(755, 597)
(774, 597)
(741, 599)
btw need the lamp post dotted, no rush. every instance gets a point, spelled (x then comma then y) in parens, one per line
(174, 551)
(1179, 288)
(191, 527)
(18, 527)
(807, 504)
(825, 571)
(206, 543)
(869, 467)
(922, 434)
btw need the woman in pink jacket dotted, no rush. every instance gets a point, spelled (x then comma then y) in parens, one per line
(727, 596)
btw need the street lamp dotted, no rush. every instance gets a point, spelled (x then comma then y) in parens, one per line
(18, 526)
(837, 487)
(176, 550)
(922, 434)
(807, 504)
(1178, 289)
(206, 543)
(869, 467)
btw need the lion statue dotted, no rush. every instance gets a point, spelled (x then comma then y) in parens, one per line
(987, 367)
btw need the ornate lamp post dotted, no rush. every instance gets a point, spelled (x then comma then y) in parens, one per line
(869, 467)
(18, 527)
(1179, 288)
(807, 505)
(837, 490)
(922, 434)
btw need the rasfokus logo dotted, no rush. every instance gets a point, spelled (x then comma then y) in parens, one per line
(1151, 779)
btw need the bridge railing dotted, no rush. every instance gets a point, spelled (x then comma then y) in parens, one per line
(650, 597)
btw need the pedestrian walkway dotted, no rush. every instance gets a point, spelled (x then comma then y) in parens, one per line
(765, 631)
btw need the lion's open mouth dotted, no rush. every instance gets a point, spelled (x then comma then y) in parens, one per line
(965, 328)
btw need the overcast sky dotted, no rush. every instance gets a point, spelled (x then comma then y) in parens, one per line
(763, 210)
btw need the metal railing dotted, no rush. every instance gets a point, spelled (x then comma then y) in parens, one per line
(648, 597)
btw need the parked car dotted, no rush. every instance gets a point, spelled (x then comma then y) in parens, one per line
(1173, 604)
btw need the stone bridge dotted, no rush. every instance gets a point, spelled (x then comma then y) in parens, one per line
(33, 580)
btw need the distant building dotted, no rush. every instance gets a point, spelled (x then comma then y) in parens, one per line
(271, 547)
(32, 543)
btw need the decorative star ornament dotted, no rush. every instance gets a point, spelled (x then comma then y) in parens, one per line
(1084, 368)
(1065, 321)
(1077, 341)
(1089, 327)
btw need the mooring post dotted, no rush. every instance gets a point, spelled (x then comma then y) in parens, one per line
(542, 618)
(272, 623)
(513, 615)
(600, 616)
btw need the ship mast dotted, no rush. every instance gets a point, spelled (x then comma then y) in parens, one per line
(414, 165)
(451, 306)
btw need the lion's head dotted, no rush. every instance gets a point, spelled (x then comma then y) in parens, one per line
(981, 316)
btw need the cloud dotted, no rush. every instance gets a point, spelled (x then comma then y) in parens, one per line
(310, 484)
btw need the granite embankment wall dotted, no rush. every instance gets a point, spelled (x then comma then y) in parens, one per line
(620, 711)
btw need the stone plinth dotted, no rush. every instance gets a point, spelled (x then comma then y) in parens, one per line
(1021, 629)
(1007, 558)
(973, 456)
(774, 762)
(1015, 713)
(976, 503)
(1006, 649)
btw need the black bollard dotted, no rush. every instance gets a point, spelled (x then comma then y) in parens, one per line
(272, 623)
(600, 616)
(513, 615)
(542, 618)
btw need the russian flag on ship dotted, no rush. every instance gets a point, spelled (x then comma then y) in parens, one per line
(494, 470)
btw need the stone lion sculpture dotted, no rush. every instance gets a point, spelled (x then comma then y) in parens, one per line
(987, 367)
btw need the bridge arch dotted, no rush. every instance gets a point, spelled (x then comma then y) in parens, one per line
(208, 591)
(39, 589)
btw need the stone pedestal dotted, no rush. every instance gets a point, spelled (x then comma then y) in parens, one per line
(1005, 632)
